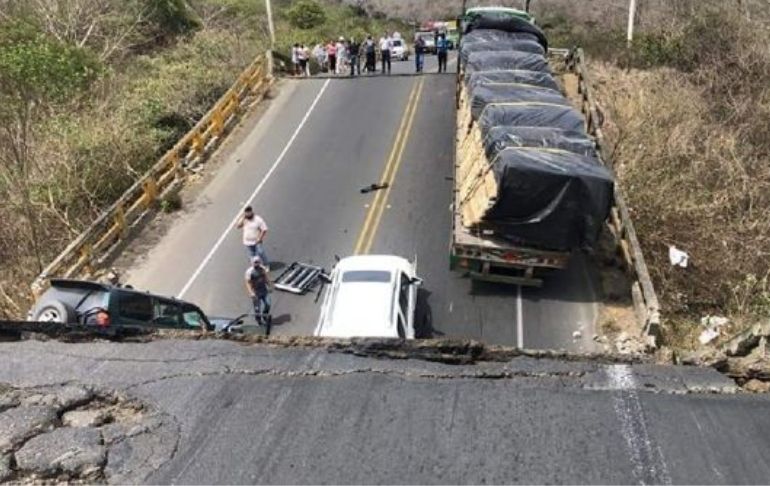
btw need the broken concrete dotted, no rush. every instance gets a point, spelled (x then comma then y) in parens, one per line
(757, 386)
(743, 343)
(85, 418)
(20, 423)
(62, 397)
(72, 451)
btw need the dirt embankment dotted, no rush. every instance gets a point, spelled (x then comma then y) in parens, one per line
(687, 116)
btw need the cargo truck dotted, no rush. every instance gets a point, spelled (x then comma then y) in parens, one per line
(529, 185)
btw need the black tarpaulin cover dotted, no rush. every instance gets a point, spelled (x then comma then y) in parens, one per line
(485, 94)
(486, 35)
(531, 115)
(505, 61)
(508, 24)
(521, 76)
(530, 46)
(499, 138)
(550, 198)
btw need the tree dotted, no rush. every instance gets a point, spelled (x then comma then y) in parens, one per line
(36, 73)
(306, 14)
(174, 17)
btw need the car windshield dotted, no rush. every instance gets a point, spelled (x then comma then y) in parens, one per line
(396, 43)
(366, 276)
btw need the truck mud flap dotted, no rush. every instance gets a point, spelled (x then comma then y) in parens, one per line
(298, 278)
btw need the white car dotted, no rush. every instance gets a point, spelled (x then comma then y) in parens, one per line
(399, 50)
(370, 296)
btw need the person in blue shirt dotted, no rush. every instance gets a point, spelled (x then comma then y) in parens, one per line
(441, 50)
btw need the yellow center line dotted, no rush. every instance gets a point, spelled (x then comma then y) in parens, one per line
(391, 177)
(358, 249)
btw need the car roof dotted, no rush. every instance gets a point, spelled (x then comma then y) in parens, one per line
(364, 309)
(361, 309)
(373, 262)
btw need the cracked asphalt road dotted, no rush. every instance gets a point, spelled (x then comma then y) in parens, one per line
(261, 413)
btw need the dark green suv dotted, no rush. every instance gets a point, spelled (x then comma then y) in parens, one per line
(107, 307)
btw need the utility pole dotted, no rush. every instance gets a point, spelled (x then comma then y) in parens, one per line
(631, 15)
(271, 27)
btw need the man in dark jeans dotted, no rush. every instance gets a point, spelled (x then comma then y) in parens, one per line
(419, 52)
(353, 53)
(385, 45)
(441, 51)
(371, 54)
(258, 286)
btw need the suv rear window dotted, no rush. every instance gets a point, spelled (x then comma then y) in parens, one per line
(366, 276)
(396, 43)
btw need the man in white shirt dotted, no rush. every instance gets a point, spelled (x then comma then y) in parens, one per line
(254, 232)
(385, 45)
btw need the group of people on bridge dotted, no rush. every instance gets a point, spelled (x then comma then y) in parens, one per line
(345, 56)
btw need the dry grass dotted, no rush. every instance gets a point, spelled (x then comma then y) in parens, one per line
(691, 150)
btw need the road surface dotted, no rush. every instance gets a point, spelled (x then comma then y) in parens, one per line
(227, 413)
(302, 167)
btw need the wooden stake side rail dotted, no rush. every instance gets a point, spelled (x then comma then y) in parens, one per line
(643, 292)
(82, 256)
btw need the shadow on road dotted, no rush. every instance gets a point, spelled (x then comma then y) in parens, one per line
(280, 320)
(423, 318)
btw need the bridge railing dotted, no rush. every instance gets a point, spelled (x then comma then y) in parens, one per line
(84, 254)
(646, 304)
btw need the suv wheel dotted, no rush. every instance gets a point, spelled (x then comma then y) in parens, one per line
(55, 312)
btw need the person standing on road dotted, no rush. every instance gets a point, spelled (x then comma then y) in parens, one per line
(254, 233)
(319, 53)
(341, 56)
(331, 52)
(295, 59)
(303, 55)
(258, 286)
(419, 53)
(441, 51)
(354, 49)
(371, 54)
(386, 43)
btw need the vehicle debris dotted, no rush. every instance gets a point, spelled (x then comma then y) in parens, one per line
(374, 187)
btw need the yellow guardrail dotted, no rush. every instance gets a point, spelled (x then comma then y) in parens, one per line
(643, 292)
(82, 256)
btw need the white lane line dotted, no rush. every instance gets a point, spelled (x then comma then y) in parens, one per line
(229, 227)
(648, 464)
(519, 319)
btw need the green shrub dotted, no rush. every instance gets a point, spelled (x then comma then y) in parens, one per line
(306, 14)
(34, 68)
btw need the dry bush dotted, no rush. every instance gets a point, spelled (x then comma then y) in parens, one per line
(691, 147)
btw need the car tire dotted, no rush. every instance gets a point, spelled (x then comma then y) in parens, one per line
(55, 312)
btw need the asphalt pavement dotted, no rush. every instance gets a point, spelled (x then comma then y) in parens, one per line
(227, 413)
(302, 167)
